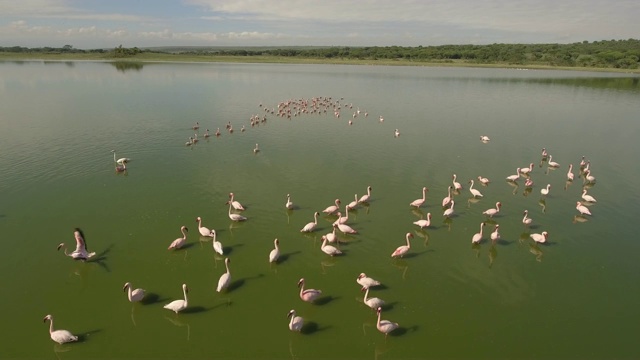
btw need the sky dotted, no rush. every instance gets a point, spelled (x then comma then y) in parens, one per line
(92, 24)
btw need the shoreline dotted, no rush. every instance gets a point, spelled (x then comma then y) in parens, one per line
(180, 58)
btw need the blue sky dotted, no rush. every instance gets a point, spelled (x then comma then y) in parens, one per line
(89, 24)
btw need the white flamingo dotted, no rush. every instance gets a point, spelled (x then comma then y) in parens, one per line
(495, 235)
(288, 204)
(312, 225)
(308, 295)
(80, 253)
(477, 237)
(484, 138)
(493, 211)
(447, 213)
(456, 184)
(181, 304)
(422, 223)
(179, 242)
(514, 177)
(385, 326)
(236, 205)
(366, 197)
(526, 220)
(256, 150)
(552, 163)
(366, 282)
(295, 322)
(447, 200)
(373, 302)
(396, 133)
(526, 170)
(582, 209)
(346, 229)
(353, 204)
(225, 279)
(274, 255)
(586, 197)
(484, 180)
(475, 192)
(217, 245)
(121, 160)
(133, 295)
(235, 217)
(329, 249)
(545, 191)
(570, 175)
(588, 177)
(59, 336)
(204, 231)
(333, 208)
(342, 219)
(540, 238)
(418, 202)
(401, 250)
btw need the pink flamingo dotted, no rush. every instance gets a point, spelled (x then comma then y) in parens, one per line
(401, 250)
(308, 295)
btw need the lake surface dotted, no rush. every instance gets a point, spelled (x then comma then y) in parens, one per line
(576, 296)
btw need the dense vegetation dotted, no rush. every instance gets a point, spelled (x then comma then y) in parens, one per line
(619, 54)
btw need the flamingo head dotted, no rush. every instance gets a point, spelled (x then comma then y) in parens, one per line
(198, 219)
(276, 241)
(379, 310)
(126, 285)
(545, 234)
(301, 282)
(291, 313)
(60, 246)
(185, 288)
(498, 204)
(184, 228)
(48, 317)
(361, 276)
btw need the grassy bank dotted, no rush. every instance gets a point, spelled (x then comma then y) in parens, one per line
(169, 57)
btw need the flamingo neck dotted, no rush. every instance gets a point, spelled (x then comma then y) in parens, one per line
(51, 326)
(129, 292)
(184, 292)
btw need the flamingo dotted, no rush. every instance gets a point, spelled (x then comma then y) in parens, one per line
(309, 295)
(235, 217)
(476, 193)
(484, 138)
(133, 295)
(447, 200)
(333, 208)
(493, 211)
(544, 153)
(485, 181)
(552, 163)
(121, 160)
(514, 177)
(365, 198)
(418, 202)
(587, 198)
(545, 191)
(396, 133)
(385, 326)
(495, 235)
(204, 231)
(526, 220)
(80, 253)
(296, 322)
(582, 209)
(331, 237)
(275, 253)
(225, 279)
(588, 177)
(256, 150)
(373, 302)
(329, 249)
(217, 245)
(346, 229)
(121, 167)
(540, 238)
(424, 223)
(477, 237)
(59, 336)
(401, 250)
(353, 204)
(288, 204)
(206, 134)
(456, 185)
(179, 242)
(196, 126)
(189, 141)
(447, 213)
(583, 162)
(342, 219)
(366, 282)
(195, 138)
(312, 225)
(526, 170)
(528, 183)
(179, 305)
(217, 132)
(570, 175)
(236, 205)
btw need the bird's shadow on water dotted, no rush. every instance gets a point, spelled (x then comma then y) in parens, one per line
(230, 248)
(312, 327)
(234, 285)
(186, 246)
(504, 242)
(152, 298)
(195, 309)
(402, 330)
(325, 300)
(82, 337)
(285, 257)
(388, 306)
(101, 258)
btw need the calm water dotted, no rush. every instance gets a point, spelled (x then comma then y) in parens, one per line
(575, 297)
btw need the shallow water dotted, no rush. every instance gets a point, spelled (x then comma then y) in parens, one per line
(575, 296)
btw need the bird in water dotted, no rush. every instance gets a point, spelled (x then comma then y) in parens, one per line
(133, 295)
(179, 242)
(308, 295)
(295, 322)
(59, 336)
(385, 326)
(80, 253)
(180, 304)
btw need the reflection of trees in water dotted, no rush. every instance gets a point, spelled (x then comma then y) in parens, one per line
(125, 66)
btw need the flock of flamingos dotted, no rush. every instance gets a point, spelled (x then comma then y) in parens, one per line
(320, 106)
